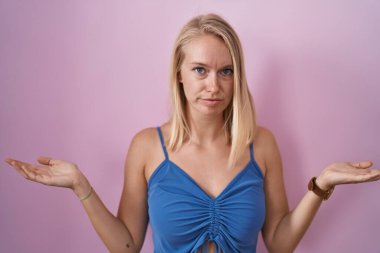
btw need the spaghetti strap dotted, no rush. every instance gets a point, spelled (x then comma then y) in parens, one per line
(251, 151)
(185, 218)
(162, 142)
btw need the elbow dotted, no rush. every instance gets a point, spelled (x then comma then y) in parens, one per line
(124, 247)
(274, 246)
(280, 250)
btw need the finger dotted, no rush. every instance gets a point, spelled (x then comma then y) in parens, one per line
(37, 174)
(374, 176)
(362, 165)
(26, 170)
(45, 160)
(20, 171)
(29, 174)
(13, 162)
(371, 175)
(8, 160)
(17, 164)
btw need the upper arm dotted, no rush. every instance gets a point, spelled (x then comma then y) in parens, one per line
(275, 194)
(133, 203)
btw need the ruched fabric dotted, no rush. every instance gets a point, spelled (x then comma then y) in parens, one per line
(184, 218)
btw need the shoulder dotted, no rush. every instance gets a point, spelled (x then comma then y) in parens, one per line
(141, 146)
(145, 145)
(144, 137)
(148, 136)
(145, 151)
(266, 143)
(265, 137)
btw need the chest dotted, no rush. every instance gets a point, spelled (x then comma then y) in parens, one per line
(183, 214)
(208, 168)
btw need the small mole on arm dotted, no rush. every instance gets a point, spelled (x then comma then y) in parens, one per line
(127, 245)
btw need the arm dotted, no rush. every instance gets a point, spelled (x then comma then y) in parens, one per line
(283, 229)
(126, 231)
(122, 233)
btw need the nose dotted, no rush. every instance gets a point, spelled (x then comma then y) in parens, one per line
(212, 84)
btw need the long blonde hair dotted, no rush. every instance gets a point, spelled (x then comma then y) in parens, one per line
(239, 117)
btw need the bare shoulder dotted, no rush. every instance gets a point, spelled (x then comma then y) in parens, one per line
(140, 147)
(265, 138)
(266, 149)
(144, 138)
(145, 151)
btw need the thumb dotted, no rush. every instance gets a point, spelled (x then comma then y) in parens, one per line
(362, 165)
(45, 160)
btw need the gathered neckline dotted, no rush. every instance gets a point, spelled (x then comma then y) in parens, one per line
(187, 175)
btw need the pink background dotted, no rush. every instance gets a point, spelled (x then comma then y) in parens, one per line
(79, 78)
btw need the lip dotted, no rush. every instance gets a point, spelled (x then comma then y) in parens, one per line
(211, 101)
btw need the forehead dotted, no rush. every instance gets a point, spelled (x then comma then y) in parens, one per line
(207, 49)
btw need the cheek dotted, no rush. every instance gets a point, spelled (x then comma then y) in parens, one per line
(188, 90)
(228, 88)
(191, 86)
(230, 99)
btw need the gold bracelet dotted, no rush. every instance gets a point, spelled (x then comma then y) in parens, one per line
(88, 195)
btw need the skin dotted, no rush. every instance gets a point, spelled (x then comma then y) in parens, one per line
(206, 74)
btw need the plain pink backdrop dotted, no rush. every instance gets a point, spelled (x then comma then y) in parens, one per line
(79, 78)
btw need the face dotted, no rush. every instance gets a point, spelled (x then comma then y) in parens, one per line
(207, 75)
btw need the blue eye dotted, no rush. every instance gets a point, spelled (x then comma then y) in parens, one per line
(227, 72)
(200, 70)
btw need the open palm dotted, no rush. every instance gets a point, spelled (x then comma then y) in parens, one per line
(49, 172)
(347, 173)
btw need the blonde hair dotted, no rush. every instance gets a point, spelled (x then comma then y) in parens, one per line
(239, 117)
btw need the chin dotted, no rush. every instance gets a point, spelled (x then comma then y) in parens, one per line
(207, 110)
(211, 111)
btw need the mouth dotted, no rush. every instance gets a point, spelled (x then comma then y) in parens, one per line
(211, 101)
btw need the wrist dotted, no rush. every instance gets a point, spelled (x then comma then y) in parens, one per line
(318, 190)
(81, 186)
(322, 184)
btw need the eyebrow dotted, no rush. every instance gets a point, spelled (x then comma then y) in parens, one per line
(205, 65)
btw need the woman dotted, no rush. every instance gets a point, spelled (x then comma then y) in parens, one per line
(210, 179)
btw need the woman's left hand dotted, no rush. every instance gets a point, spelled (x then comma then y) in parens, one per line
(347, 173)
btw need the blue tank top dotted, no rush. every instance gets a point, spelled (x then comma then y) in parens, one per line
(184, 218)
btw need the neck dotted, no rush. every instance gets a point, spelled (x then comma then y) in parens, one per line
(206, 129)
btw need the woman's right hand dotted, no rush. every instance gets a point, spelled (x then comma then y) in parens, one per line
(53, 172)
